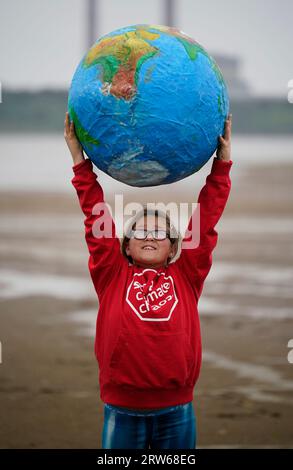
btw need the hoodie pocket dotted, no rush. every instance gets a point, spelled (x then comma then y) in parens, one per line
(152, 361)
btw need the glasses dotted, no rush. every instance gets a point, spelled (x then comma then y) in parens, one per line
(141, 234)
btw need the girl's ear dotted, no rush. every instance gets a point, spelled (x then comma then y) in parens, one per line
(172, 252)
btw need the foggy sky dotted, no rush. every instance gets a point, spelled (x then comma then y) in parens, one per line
(42, 41)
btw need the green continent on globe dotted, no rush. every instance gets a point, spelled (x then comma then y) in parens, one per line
(121, 58)
(81, 133)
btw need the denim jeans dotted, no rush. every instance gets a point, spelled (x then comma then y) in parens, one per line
(173, 427)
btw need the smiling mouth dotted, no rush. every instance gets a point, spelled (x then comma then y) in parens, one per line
(148, 247)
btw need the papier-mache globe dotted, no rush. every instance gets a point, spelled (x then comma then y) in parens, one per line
(148, 104)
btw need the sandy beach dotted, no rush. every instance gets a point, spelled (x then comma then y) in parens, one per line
(49, 375)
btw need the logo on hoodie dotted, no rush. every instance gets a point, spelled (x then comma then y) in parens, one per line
(151, 295)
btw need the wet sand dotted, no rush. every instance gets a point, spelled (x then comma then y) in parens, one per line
(49, 375)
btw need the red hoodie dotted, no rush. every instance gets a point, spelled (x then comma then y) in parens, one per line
(148, 341)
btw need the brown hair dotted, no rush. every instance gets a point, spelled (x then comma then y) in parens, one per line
(174, 237)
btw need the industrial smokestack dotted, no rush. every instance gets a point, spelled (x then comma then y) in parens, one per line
(91, 33)
(169, 13)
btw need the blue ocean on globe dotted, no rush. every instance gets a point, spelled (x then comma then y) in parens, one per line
(148, 104)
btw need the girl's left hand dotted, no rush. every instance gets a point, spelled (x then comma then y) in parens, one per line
(224, 146)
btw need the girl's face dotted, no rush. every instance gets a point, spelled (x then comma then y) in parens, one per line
(150, 253)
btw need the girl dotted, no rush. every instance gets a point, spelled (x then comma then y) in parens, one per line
(148, 342)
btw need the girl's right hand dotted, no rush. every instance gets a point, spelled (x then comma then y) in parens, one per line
(72, 141)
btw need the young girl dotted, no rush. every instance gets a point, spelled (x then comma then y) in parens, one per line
(148, 342)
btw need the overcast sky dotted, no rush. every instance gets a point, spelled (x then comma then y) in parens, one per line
(42, 41)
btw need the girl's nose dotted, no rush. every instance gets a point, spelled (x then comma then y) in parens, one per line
(149, 235)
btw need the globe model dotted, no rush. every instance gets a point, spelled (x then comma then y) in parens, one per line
(148, 104)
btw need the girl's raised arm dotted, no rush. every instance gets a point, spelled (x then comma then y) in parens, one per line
(103, 244)
(196, 262)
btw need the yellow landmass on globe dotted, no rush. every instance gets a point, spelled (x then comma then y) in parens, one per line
(121, 58)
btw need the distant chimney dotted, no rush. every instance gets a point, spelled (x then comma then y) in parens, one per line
(91, 26)
(169, 13)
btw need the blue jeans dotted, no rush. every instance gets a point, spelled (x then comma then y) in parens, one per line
(173, 427)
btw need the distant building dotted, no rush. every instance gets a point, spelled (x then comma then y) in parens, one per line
(237, 86)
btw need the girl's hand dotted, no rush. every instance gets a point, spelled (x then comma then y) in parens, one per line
(224, 147)
(72, 141)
